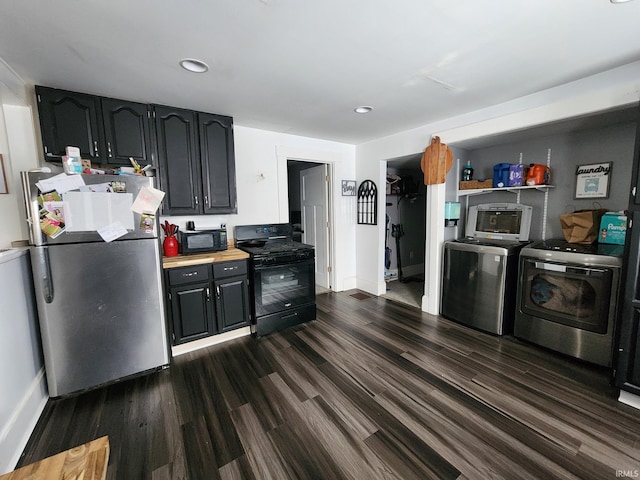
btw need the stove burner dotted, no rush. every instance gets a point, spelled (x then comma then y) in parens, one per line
(271, 244)
(274, 247)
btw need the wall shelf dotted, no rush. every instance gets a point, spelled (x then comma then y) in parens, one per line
(516, 190)
(480, 191)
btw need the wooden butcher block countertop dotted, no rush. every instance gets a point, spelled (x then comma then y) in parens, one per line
(231, 253)
(86, 462)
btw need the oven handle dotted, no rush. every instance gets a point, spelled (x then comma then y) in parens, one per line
(279, 265)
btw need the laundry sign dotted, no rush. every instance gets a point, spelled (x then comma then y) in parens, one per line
(592, 181)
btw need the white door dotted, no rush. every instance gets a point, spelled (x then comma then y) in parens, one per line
(315, 221)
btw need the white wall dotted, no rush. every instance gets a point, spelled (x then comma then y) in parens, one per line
(24, 391)
(22, 382)
(262, 187)
(600, 92)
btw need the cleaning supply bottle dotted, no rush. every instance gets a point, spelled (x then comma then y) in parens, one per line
(467, 171)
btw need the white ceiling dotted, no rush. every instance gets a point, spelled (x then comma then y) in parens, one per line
(301, 66)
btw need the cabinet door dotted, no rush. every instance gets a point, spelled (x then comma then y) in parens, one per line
(178, 159)
(126, 132)
(69, 119)
(191, 312)
(628, 355)
(232, 303)
(218, 163)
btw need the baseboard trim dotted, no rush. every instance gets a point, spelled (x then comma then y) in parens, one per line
(21, 424)
(178, 350)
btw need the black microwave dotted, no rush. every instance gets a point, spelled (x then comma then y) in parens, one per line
(200, 241)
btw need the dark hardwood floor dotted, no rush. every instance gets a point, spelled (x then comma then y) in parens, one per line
(370, 390)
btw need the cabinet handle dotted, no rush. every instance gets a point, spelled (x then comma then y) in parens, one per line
(218, 290)
(95, 147)
(208, 295)
(196, 197)
(206, 200)
(109, 149)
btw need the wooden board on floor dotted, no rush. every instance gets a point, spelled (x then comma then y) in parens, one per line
(86, 462)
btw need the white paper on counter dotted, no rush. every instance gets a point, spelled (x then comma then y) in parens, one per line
(111, 232)
(61, 183)
(148, 200)
(91, 211)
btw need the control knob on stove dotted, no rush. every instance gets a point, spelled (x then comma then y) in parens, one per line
(267, 259)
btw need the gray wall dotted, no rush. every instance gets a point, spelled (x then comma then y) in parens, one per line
(613, 143)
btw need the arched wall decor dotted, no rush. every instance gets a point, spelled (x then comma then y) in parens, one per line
(368, 203)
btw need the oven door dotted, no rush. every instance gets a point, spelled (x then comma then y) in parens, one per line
(281, 287)
(572, 295)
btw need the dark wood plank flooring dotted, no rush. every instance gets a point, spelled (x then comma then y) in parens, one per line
(370, 390)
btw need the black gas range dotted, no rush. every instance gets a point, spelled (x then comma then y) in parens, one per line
(282, 273)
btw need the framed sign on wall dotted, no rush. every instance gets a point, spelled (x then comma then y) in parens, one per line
(348, 188)
(592, 181)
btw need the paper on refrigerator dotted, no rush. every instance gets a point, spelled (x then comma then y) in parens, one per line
(61, 183)
(148, 200)
(92, 211)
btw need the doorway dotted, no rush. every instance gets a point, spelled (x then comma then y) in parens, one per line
(405, 233)
(309, 213)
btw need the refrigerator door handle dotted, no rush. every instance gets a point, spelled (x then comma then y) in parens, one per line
(44, 266)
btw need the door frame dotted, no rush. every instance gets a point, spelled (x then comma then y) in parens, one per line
(284, 154)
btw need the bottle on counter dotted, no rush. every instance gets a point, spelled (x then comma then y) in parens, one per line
(467, 172)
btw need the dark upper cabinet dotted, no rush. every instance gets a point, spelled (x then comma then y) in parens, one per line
(127, 132)
(68, 118)
(195, 150)
(197, 161)
(179, 160)
(217, 163)
(107, 131)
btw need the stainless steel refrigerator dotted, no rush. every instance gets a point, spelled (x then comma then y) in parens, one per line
(100, 303)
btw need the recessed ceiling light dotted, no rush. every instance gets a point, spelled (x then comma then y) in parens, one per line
(363, 109)
(194, 65)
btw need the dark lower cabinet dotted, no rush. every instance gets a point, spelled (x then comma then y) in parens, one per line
(232, 295)
(191, 312)
(207, 299)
